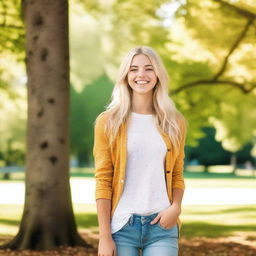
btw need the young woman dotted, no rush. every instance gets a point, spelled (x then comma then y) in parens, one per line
(139, 154)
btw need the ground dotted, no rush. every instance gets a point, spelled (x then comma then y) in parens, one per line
(208, 229)
(239, 245)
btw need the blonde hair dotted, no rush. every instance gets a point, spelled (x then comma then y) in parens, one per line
(168, 119)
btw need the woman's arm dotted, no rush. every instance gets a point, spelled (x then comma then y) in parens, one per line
(102, 160)
(177, 174)
(103, 210)
(106, 243)
(103, 192)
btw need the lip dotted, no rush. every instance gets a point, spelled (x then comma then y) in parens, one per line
(142, 81)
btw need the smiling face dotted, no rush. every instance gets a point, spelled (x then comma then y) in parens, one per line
(141, 76)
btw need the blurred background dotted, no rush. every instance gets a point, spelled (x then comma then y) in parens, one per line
(208, 48)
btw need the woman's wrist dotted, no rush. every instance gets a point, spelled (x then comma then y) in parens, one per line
(177, 207)
(105, 236)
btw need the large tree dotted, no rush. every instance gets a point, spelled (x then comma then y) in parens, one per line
(48, 220)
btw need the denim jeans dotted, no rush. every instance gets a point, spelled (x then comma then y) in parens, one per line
(152, 239)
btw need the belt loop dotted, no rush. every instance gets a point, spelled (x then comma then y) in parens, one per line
(131, 220)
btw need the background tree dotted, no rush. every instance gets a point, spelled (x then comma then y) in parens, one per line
(227, 37)
(210, 60)
(48, 219)
(84, 111)
(12, 87)
(12, 36)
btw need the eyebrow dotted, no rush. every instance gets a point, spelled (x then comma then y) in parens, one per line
(134, 66)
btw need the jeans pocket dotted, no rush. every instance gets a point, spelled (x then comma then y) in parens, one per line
(159, 225)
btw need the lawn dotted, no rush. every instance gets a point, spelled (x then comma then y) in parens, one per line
(209, 221)
(197, 220)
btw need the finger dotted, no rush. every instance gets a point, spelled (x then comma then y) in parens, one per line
(155, 219)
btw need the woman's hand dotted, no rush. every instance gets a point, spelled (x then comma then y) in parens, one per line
(107, 246)
(168, 217)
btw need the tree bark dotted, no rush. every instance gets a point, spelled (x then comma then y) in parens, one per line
(48, 219)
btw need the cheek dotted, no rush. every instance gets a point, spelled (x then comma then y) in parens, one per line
(153, 77)
(130, 78)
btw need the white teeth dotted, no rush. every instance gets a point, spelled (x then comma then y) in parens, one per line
(141, 82)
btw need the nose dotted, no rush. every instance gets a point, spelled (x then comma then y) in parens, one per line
(141, 73)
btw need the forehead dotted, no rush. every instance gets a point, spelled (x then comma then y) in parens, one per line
(140, 59)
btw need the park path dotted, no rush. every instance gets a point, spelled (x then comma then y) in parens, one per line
(83, 193)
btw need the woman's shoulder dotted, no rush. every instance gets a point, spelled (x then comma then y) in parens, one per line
(101, 118)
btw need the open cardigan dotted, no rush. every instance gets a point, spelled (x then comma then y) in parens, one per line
(110, 163)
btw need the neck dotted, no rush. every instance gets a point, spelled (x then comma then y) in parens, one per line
(142, 103)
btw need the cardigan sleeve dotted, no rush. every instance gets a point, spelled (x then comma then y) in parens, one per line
(177, 175)
(102, 161)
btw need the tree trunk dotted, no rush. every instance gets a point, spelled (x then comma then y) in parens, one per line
(233, 163)
(48, 219)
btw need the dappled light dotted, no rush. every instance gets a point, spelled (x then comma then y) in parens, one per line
(59, 63)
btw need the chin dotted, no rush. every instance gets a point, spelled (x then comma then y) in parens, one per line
(143, 91)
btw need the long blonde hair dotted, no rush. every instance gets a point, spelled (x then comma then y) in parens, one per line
(168, 119)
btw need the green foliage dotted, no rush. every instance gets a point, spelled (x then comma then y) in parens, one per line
(13, 125)
(210, 152)
(12, 33)
(208, 51)
(12, 38)
(215, 153)
(207, 47)
(85, 107)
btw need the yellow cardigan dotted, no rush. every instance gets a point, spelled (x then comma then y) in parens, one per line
(110, 164)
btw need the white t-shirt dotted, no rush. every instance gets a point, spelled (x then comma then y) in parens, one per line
(144, 188)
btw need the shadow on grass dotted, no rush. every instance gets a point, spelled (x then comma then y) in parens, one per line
(72, 175)
(209, 175)
(251, 209)
(188, 229)
(191, 229)
(89, 173)
(9, 222)
(86, 220)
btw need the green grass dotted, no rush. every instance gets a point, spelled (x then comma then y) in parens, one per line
(216, 175)
(215, 221)
(192, 172)
(74, 172)
(209, 221)
(10, 216)
(192, 180)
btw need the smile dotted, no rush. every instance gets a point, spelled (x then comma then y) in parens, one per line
(141, 82)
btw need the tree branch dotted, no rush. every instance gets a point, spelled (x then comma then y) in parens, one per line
(234, 46)
(215, 83)
(237, 9)
(250, 19)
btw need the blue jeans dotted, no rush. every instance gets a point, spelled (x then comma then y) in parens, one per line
(152, 239)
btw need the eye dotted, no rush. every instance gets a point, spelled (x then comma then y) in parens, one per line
(149, 69)
(133, 69)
